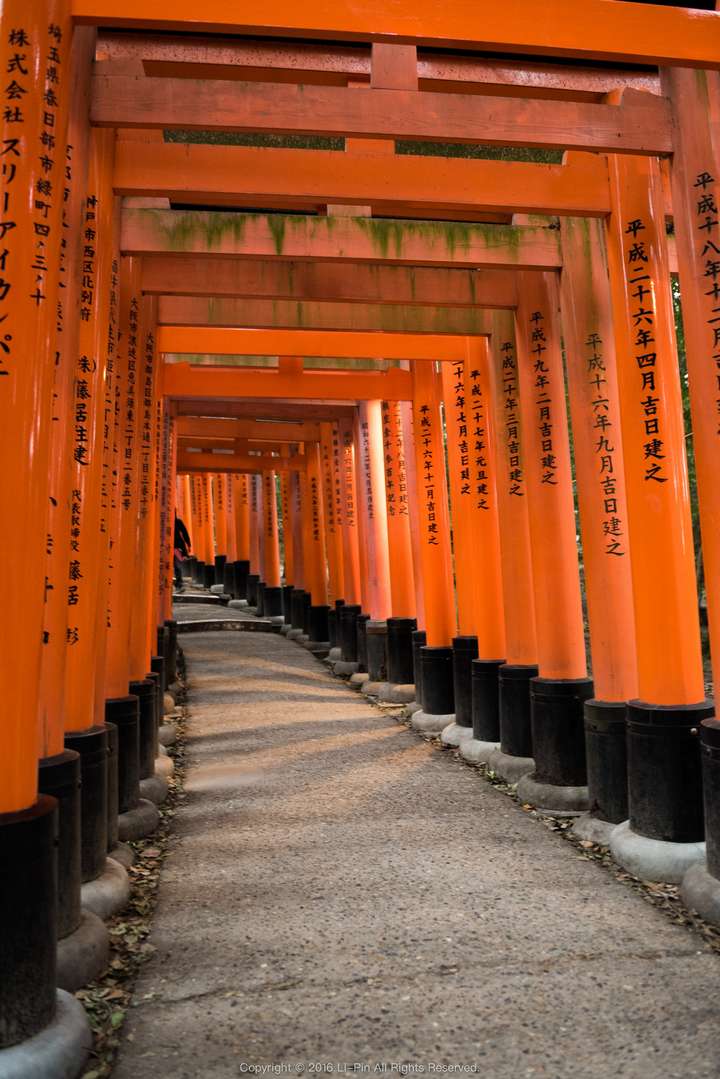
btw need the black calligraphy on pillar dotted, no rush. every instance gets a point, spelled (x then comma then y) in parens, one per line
(461, 427)
(128, 441)
(336, 477)
(543, 400)
(642, 313)
(315, 508)
(511, 404)
(326, 450)
(146, 440)
(603, 445)
(390, 478)
(428, 474)
(367, 475)
(348, 465)
(708, 255)
(479, 435)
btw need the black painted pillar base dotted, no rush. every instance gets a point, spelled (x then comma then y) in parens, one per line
(515, 722)
(348, 632)
(465, 650)
(112, 786)
(662, 840)
(700, 889)
(171, 650)
(198, 572)
(157, 666)
(124, 713)
(399, 651)
(419, 639)
(665, 770)
(361, 629)
(208, 576)
(92, 745)
(559, 782)
(146, 693)
(438, 697)
(486, 699)
(273, 602)
(220, 561)
(241, 570)
(334, 624)
(287, 595)
(318, 631)
(260, 605)
(297, 608)
(228, 579)
(28, 904)
(606, 753)
(252, 589)
(376, 646)
(59, 777)
(186, 567)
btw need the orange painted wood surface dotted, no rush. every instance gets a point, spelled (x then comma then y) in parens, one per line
(184, 380)
(600, 29)
(350, 344)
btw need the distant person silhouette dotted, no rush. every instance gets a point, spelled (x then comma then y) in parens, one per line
(182, 547)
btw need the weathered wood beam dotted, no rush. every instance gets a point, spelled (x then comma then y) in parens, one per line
(276, 279)
(181, 171)
(232, 341)
(185, 380)
(279, 61)
(595, 29)
(192, 427)
(640, 124)
(272, 411)
(340, 239)
(235, 462)
(299, 315)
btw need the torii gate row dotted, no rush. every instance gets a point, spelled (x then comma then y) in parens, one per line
(601, 30)
(236, 462)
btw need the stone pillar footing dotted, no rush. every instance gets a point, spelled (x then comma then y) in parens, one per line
(593, 829)
(82, 956)
(108, 893)
(154, 789)
(139, 822)
(700, 891)
(455, 734)
(510, 768)
(344, 668)
(653, 859)
(358, 679)
(552, 799)
(431, 723)
(475, 751)
(59, 1051)
(123, 854)
(397, 693)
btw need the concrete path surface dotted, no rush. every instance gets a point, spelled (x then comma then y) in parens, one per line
(341, 893)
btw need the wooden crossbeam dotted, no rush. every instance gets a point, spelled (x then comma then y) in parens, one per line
(184, 172)
(640, 124)
(275, 409)
(340, 239)
(235, 342)
(198, 275)
(334, 65)
(298, 315)
(235, 462)
(595, 29)
(196, 427)
(185, 380)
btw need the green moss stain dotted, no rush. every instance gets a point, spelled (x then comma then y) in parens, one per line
(276, 224)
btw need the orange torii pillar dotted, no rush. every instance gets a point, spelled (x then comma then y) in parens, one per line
(184, 513)
(197, 531)
(241, 510)
(333, 532)
(136, 818)
(479, 651)
(399, 688)
(299, 598)
(373, 509)
(288, 560)
(87, 570)
(597, 438)
(434, 675)
(558, 693)
(345, 653)
(208, 530)
(514, 757)
(255, 575)
(695, 178)
(219, 503)
(229, 575)
(272, 593)
(662, 837)
(314, 547)
(408, 430)
(350, 565)
(143, 626)
(40, 36)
